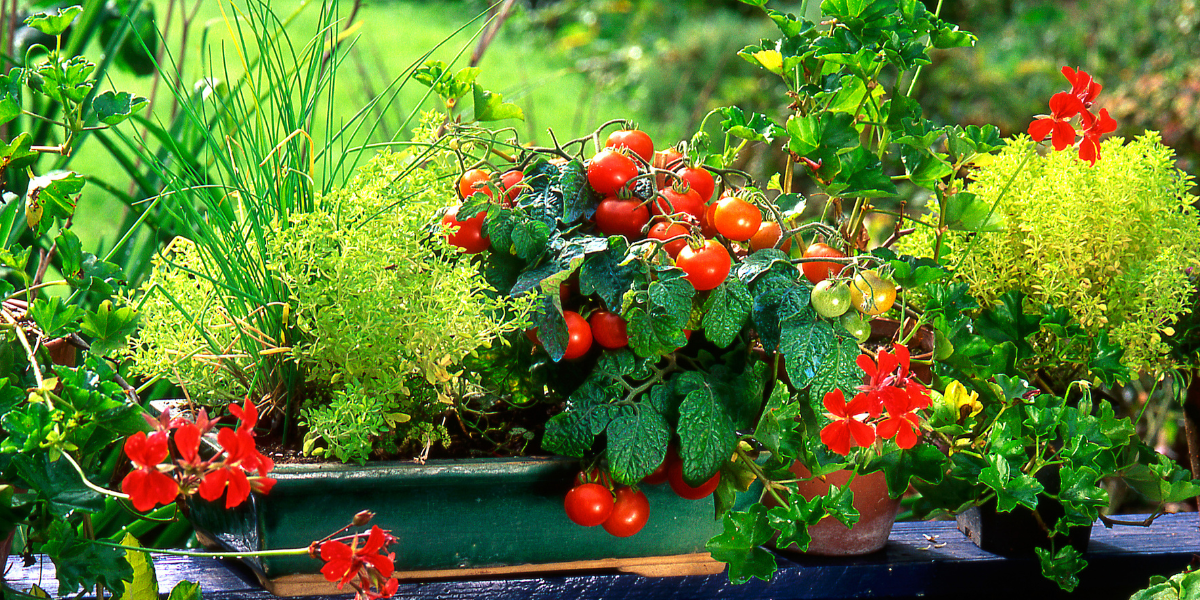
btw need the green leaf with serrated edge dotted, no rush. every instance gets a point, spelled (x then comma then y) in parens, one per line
(758, 3)
(839, 504)
(450, 87)
(1158, 478)
(792, 521)
(144, 585)
(862, 175)
(657, 315)
(739, 545)
(738, 383)
(831, 131)
(476, 203)
(67, 82)
(779, 308)
(490, 106)
(1104, 360)
(924, 168)
(839, 370)
(923, 462)
(1062, 567)
(80, 563)
(1007, 321)
(762, 262)
(773, 425)
(950, 36)
(966, 212)
(805, 347)
(109, 327)
(604, 275)
(185, 590)
(706, 437)
(577, 201)
(726, 311)
(1012, 487)
(529, 239)
(1118, 430)
(736, 478)
(10, 95)
(113, 109)
(27, 428)
(637, 443)
(54, 317)
(52, 194)
(54, 23)
(755, 127)
(569, 433)
(16, 154)
(551, 326)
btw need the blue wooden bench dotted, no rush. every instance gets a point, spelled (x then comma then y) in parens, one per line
(921, 560)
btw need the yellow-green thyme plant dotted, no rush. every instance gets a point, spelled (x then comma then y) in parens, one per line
(381, 311)
(1111, 243)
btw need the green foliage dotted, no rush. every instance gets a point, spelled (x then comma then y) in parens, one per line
(1110, 244)
(1180, 586)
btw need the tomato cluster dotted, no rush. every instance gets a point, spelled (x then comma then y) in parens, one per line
(868, 292)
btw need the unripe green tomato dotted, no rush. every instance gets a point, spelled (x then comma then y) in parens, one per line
(857, 325)
(831, 298)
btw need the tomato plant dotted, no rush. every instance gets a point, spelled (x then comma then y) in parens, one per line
(665, 160)
(817, 272)
(468, 234)
(579, 335)
(511, 182)
(659, 475)
(622, 216)
(699, 179)
(636, 140)
(871, 294)
(674, 200)
(707, 228)
(736, 219)
(474, 180)
(706, 266)
(630, 512)
(588, 504)
(683, 490)
(767, 236)
(857, 325)
(609, 171)
(609, 329)
(663, 230)
(831, 298)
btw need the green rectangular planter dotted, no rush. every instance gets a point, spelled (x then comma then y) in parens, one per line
(449, 514)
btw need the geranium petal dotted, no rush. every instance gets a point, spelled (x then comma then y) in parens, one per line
(835, 403)
(836, 436)
(863, 434)
(1064, 135)
(1040, 128)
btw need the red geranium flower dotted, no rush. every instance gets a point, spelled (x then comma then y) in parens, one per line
(846, 426)
(1094, 127)
(146, 486)
(343, 563)
(1063, 107)
(1082, 86)
(901, 422)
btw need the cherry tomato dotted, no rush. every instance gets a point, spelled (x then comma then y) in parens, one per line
(663, 230)
(579, 335)
(831, 298)
(706, 266)
(871, 294)
(679, 200)
(683, 490)
(817, 272)
(609, 329)
(857, 325)
(630, 512)
(510, 181)
(706, 224)
(699, 179)
(767, 236)
(636, 140)
(468, 234)
(609, 170)
(589, 504)
(474, 180)
(594, 475)
(627, 217)
(666, 160)
(736, 219)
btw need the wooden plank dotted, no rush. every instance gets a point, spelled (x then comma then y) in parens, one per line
(1122, 559)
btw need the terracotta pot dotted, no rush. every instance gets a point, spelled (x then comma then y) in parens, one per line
(877, 514)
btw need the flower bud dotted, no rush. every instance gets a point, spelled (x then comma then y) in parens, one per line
(362, 518)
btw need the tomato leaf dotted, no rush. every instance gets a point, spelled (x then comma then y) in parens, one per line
(657, 315)
(607, 275)
(862, 175)
(490, 106)
(725, 312)
(805, 345)
(838, 371)
(739, 545)
(706, 438)
(775, 306)
(637, 442)
(572, 183)
(569, 433)
(529, 239)
(762, 261)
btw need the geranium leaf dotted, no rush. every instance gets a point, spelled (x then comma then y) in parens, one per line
(1012, 487)
(144, 585)
(54, 23)
(1062, 567)
(54, 317)
(80, 563)
(109, 327)
(490, 106)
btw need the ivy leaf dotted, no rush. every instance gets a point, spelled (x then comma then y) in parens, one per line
(966, 212)
(637, 442)
(924, 462)
(113, 109)
(1012, 487)
(726, 311)
(805, 346)
(59, 483)
(739, 545)
(706, 436)
(792, 521)
(755, 127)
(54, 23)
(54, 317)
(10, 95)
(1080, 494)
(80, 563)
(490, 106)
(109, 327)
(69, 81)
(144, 585)
(839, 504)
(1104, 360)
(1062, 568)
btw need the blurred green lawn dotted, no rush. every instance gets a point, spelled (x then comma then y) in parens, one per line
(392, 36)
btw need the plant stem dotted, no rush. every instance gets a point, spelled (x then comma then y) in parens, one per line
(89, 484)
(284, 552)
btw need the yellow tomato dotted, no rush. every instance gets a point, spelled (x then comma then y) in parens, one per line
(871, 294)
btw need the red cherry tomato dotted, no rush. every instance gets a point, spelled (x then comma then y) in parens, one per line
(627, 217)
(817, 272)
(630, 512)
(609, 329)
(706, 224)
(683, 490)
(589, 504)
(474, 180)
(706, 266)
(736, 219)
(636, 140)
(674, 201)
(699, 179)
(468, 234)
(579, 335)
(767, 236)
(609, 170)
(510, 181)
(663, 230)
